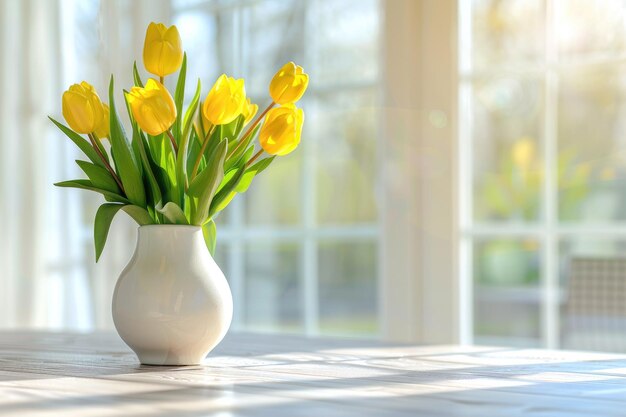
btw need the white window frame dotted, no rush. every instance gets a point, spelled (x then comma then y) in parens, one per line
(547, 230)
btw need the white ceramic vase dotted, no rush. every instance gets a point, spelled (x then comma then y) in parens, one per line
(172, 304)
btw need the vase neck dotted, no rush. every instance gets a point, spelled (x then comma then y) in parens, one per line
(178, 241)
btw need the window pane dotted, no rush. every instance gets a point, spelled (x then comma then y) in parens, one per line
(506, 291)
(274, 197)
(272, 35)
(592, 135)
(347, 287)
(507, 31)
(345, 129)
(506, 263)
(221, 257)
(583, 26)
(272, 287)
(348, 48)
(205, 59)
(593, 302)
(507, 117)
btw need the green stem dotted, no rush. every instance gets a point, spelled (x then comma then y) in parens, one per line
(254, 158)
(194, 171)
(169, 133)
(94, 143)
(250, 129)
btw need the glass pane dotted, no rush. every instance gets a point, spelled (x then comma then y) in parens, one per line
(506, 291)
(344, 129)
(347, 288)
(507, 31)
(347, 33)
(583, 26)
(274, 197)
(221, 257)
(507, 126)
(499, 320)
(591, 138)
(593, 302)
(272, 36)
(200, 34)
(506, 263)
(272, 287)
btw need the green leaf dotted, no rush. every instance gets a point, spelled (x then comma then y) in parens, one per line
(82, 143)
(100, 177)
(136, 76)
(193, 149)
(127, 166)
(231, 179)
(181, 158)
(102, 224)
(88, 185)
(134, 143)
(155, 191)
(179, 96)
(232, 129)
(139, 214)
(209, 231)
(204, 185)
(252, 172)
(191, 110)
(239, 153)
(173, 213)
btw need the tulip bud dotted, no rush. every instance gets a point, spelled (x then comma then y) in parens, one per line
(289, 84)
(225, 101)
(82, 108)
(162, 49)
(281, 130)
(102, 130)
(153, 107)
(249, 111)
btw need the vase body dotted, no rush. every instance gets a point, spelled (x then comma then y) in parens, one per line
(172, 304)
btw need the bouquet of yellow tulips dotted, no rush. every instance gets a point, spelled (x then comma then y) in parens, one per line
(179, 166)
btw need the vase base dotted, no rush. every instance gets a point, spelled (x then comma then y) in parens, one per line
(168, 359)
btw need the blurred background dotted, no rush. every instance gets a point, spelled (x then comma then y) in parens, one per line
(461, 178)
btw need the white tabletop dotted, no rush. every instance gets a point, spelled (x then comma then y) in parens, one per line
(55, 374)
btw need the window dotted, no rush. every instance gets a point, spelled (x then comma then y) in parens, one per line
(300, 248)
(541, 104)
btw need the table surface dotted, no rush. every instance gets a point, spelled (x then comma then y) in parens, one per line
(61, 374)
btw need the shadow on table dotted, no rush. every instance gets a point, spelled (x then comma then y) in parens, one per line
(330, 379)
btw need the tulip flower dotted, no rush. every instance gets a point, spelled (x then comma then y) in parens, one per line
(249, 111)
(82, 108)
(102, 130)
(280, 133)
(162, 49)
(225, 101)
(153, 107)
(288, 84)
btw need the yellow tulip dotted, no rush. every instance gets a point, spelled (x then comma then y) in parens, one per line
(249, 111)
(153, 107)
(82, 108)
(206, 125)
(281, 130)
(102, 130)
(225, 101)
(162, 49)
(288, 84)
